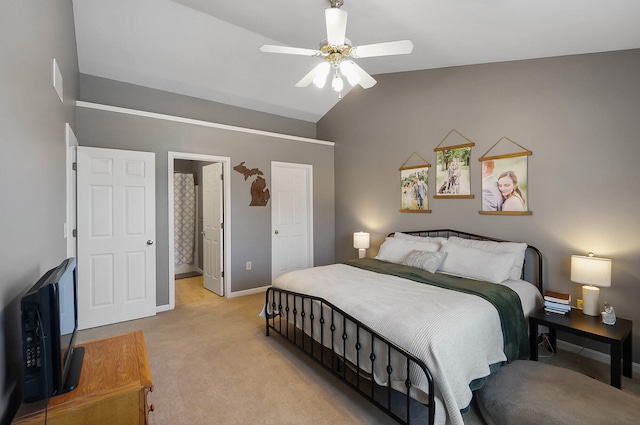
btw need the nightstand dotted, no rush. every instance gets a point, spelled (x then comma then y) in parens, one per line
(618, 336)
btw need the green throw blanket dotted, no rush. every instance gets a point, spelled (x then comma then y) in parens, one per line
(504, 299)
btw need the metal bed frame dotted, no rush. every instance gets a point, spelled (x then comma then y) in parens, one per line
(302, 319)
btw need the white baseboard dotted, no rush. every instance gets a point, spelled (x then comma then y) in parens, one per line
(166, 307)
(592, 354)
(248, 292)
(162, 308)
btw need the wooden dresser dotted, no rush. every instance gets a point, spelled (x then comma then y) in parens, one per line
(113, 387)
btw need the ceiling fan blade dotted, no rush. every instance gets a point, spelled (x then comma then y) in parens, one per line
(268, 48)
(336, 26)
(401, 47)
(307, 79)
(366, 80)
(318, 75)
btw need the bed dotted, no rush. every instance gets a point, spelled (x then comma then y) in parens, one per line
(418, 328)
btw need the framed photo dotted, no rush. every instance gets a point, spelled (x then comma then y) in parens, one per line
(504, 185)
(453, 172)
(414, 189)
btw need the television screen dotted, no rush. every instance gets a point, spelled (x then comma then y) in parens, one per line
(66, 283)
(52, 363)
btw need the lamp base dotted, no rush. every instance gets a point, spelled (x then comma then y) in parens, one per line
(590, 296)
(361, 252)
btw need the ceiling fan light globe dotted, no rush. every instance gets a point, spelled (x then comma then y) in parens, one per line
(353, 79)
(337, 84)
(348, 70)
(319, 82)
(322, 71)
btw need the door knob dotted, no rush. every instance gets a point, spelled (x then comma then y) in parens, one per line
(276, 232)
(202, 233)
(149, 242)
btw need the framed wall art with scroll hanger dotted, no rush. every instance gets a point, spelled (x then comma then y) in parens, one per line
(505, 179)
(453, 165)
(414, 186)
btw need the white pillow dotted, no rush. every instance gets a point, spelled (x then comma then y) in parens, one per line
(425, 260)
(437, 239)
(476, 263)
(516, 248)
(396, 250)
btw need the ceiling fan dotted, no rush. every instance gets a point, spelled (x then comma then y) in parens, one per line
(338, 52)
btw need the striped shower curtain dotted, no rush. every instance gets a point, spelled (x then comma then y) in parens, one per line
(184, 217)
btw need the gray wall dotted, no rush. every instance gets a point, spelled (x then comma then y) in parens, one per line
(101, 90)
(251, 226)
(32, 164)
(579, 115)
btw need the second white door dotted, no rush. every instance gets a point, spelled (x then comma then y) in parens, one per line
(291, 217)
(212, 246)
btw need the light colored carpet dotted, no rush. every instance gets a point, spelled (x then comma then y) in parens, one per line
(211, 363)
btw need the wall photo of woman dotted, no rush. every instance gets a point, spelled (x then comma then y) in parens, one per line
(508, 186)
(504, 185)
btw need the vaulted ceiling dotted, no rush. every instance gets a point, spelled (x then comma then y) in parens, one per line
(210, 48)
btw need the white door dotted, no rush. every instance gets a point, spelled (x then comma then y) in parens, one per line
(71, 223)
(116, 235)
(212, 227)
(291, 217)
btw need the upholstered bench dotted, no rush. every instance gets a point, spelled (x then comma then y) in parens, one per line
(528, 392)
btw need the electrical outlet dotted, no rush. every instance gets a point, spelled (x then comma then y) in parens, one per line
(579, 303)
(248, 265)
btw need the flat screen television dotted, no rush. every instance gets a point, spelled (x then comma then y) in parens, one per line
(49, 313)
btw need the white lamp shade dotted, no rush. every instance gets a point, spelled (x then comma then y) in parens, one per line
(591, 270)
(361, 240)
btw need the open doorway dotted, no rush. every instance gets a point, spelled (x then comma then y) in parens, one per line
(188, 214)
(214, 204)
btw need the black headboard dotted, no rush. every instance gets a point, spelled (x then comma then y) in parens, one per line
(531, 271)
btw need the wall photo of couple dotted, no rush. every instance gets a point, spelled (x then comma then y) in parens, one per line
(453, 172)
(504, 185)
(414, 189)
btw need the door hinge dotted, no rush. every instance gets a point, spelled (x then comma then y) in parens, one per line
(221, 274)
(221, 176)
(74, 166)
(222, 225)
(74, 233)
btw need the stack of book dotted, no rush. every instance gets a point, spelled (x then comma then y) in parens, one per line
(557, 302)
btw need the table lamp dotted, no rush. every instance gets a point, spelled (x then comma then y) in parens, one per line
(592, 272)
(361, 243)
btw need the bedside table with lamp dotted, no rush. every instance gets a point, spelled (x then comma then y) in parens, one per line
(591, 271)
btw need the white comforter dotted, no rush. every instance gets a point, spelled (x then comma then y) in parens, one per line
(457, 335)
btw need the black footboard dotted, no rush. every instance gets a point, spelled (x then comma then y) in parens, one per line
(375, 367)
